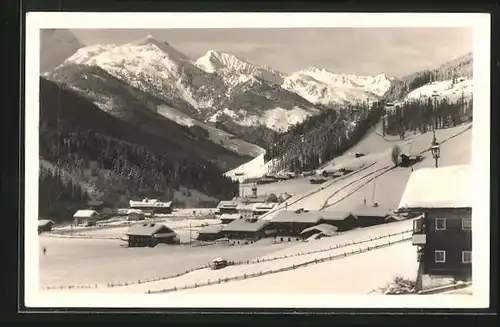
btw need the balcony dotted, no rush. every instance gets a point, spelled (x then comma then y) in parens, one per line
(419, 239)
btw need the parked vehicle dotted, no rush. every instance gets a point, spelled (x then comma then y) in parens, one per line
(218, 263)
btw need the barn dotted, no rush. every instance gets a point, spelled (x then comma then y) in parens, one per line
(150, 235)
(45, 225)
(371, 215)
(210, 233)
(85, 217)
(244, 231)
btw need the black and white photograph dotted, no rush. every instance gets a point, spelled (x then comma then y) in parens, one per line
(231, 158)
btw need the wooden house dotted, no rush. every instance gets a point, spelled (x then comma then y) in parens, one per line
(261, 208)
(85, 217)
(369, 215)
(227, 218)
(443, 234)
(152, 206)
(229, 207)
(244, 231)
(45, 225)
(210, 233)
(150, 235)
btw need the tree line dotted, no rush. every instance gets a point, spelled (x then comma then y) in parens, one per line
(426, 114)
(323, 137)
(59, 199)
(127, 169)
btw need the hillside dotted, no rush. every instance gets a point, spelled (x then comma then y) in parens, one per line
(142, 110)
(131, 161)
(459, 67)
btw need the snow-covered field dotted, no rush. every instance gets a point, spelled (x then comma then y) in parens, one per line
(358, 274)
(88, 262)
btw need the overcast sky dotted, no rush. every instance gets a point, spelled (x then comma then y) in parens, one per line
(362, 51)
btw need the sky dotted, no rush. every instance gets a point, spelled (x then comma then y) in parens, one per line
(361, 51)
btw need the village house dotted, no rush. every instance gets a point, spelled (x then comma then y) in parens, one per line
(227, 207)
(443, 234)
(227, 218)
(245, 209)
(369, 215)
(150, 235)
(85, 217)
(210, 233)
(152, 206)
(244, 231)
(261, 208)
(290, 224)
(135, 215)
(45, 225)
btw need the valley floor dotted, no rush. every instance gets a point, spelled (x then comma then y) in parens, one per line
(99, 262)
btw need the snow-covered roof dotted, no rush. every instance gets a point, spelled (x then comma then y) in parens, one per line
(230, 216)
(371, 211)
(263, 206)
(310, 216)
(322, 228)
(44, 222)
(85, 214)
(244, 207)
(146, 229)
(227, 204)
(134, 211)
(211, 229)
(445, 187)
(242, 225)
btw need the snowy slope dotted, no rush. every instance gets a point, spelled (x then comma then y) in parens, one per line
(444, 89)
(254, 168)
(324, 87)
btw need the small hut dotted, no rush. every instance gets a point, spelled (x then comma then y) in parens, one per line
(45, 225)
(86, 217)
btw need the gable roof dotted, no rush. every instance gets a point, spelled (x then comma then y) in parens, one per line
(432, 188)
(323, 228)
(313, 217)
(230, 216)
(371, 211)
(227, 204)
(85, 214)
(146, 229)
(292, 217)
(242, 225)
(263, 206)
(45, 222)
(211, 229)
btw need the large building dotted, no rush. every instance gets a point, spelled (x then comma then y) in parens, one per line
(150, 235)
(443, 235)
(152, 206)
(244, 231)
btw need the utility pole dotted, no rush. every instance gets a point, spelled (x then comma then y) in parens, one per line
(189, 233)
(373, 193)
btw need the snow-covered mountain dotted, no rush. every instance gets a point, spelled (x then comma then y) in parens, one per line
(231, 66)
(321, 86)
(56, 45)
(157, 68)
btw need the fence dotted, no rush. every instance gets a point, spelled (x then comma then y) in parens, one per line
(273, 271)
(242, 262)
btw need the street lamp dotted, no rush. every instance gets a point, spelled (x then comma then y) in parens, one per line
(435, 153)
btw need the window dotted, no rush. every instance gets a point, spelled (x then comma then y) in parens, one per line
(466, 256)
(440, 223)
(466, 223)
(439, 256)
